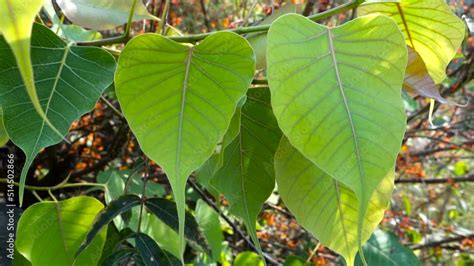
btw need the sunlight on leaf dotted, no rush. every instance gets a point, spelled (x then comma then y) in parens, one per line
(49, 233)
(430, 27)
(325, 206)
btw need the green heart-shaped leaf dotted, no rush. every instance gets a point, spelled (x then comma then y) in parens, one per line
(247, 177)
(179, 99)
(430, 28)
(336, 93)
(16, 20)
(49, 233)
(69, 81)
(325, 206)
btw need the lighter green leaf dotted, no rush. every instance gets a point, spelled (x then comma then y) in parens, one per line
(69, 81)
(16, 20)
(430, 28)
(248, 258)
(179, 99)
(247, 177)
(3, 133)
(336, 93)
(324, 206)
(102, 14)
(384, 248)
(49, 233)
(208, 221)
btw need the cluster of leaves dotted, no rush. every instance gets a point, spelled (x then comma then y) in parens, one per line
(327, 126)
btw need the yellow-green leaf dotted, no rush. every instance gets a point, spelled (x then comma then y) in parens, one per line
(336, 93)
(50, 233)
(430, 28)
(325, 206)
(418, 80)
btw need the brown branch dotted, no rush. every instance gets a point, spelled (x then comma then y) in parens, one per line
(308, 9)
(441, 242)
(211, 203)
(435, 180)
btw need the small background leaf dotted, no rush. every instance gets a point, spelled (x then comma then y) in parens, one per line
(152, 254)
(384, 248)
(248, 258)
(209, 221)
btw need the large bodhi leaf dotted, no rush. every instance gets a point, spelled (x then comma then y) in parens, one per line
(69, 81)
(247, 177)
(49, 233)
(325, 206)
(430, 28)
(102, 14)
(384, 248)
(179, 99)
(336, 93)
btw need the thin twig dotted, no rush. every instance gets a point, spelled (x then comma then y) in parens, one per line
(441, 242)
(211, 203)
(435, 180)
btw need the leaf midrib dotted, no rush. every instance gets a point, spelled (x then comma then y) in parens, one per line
(183, 106)
(61, 228)
(405, 24)
(346, 106)
(53, 91)
(341, 214)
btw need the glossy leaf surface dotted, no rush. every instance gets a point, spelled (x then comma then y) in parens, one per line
(69, 81)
